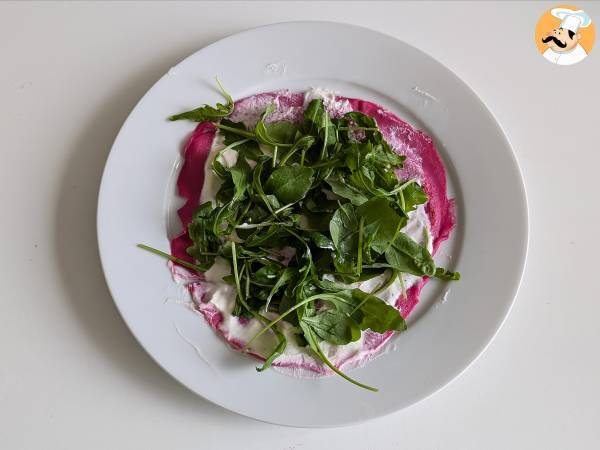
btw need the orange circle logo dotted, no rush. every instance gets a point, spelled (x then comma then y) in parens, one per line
(565, 35)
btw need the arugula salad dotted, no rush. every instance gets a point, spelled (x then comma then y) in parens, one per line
(306, 211)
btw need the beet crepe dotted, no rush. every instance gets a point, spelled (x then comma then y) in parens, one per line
(435, 220)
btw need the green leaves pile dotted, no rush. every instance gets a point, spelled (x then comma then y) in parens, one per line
(305, 200)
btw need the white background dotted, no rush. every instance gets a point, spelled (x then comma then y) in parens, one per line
(71, 374)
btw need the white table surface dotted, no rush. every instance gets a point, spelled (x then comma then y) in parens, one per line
(71, 374)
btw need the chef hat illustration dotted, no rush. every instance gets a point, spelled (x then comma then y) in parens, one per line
(570, 19)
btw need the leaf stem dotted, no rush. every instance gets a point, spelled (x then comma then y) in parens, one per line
(257, 184)
(237, 131)
(402, 186)
(321, 355)
(361, 225)
(388, 282)
(287, 156)
(227, 96)
(402, 285)
(170, 257)
(358, 129)
(248, 226)
(362, 302)
(324, 163)
(283, 208)
(325, 139)
(241, 216)
(247, 279)
(235, 272)
(229, 147)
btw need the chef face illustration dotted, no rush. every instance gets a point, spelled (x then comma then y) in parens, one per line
(563, 41)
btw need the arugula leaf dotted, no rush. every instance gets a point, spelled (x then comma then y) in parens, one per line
(317, 221)
(302, 144)
(257, 184)
(317, 121)
(277, 351)
(363, 180)
(343, 224)
(240, 175)
(405, 255)
(412, 195)
(274, 236)
(290, 183)
(200, 231)
(444, 274)
(283, 278)
(333, 327)
(381, 222)
(206, 112)
(278, 134)
(373, 313)
(344, 234)
(366, 309)
(383, 158)
(222, 221)
(356, 154)
(273, 202)
(317, 201)
(282, 132)
(267, 275)
(321, 241)
(344, 190)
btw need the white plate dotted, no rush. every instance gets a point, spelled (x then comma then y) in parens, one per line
(453, 323)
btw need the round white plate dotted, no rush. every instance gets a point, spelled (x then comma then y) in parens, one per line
(453, 323)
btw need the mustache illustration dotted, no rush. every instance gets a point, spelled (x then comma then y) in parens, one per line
(556, 41)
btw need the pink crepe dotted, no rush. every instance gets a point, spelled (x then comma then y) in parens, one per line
(422, 162)
(190, 182)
